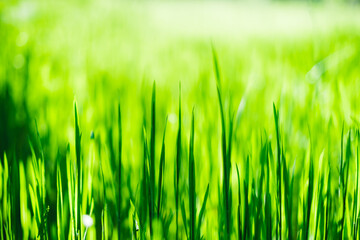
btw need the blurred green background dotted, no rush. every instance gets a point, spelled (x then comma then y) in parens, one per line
(303, 56)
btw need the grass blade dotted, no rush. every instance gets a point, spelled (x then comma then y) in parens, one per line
(59, 203)
(119, 170)
(247, 230)
(161, 172)
(268, 217)
(78, 172)
(226, 150)
(310, 192)
(320, 209)
(278, 175)
(192, 191)
(356, 191)
(178, 164)
(328, 205)
(183, 214)
(345, 177)
(144, 197)
(152, 159)
(201, 214)
(239, 205)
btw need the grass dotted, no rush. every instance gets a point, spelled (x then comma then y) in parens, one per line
(153, 147)
(119, 203)
(255, 209)
(178, 167)
(78, 175)
(194, 228)
(226, 140)
(278, 176)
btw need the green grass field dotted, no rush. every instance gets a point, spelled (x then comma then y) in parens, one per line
(179, 120)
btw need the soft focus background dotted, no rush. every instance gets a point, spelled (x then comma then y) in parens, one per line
(301, 55)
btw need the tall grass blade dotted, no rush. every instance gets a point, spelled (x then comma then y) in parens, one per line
(247, 229)
(320, 206)
(226, 150)
(78, 172)
(344, 178)
(120, 173)
(161, 172)
(178, 165)
(71, 191)
(192, 191)
(59, 204)
(356, 191)
(16, 229)
(258, 218)
(288, 192)
(328, 204)
(152, 158)
(278, 175)
(145, 189)
(239, 205)
(201, 214)
(183, 214)
(268, 217)
(37, 191)
(103, 212)
(310, 192)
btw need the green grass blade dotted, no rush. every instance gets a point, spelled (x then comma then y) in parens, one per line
(310, 192)
(345, 178)
(59, 204)
(192, 191)
(239, 205)
(78, 171)
(247, 230)
(16, 229)
(356, 191)
(183, 214)
(178, 164)
(103, 212)
(328, 204)
(71, 191)
(119, 170)
(144, 188)
(268, 217)
(201, 214)
(258, 218)
(152, 156)
(288, 179)
(342, 159)
(278, 174)
(319, 211)
(161, 172)
(225, 153)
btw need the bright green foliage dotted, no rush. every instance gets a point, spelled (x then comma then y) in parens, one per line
(119, 192)
(226, 141)
(284, 164)
(78, 174)
(192, 191)
(178, 166)
(194, 228)
(278, 176)
(239, 225)
(38, 192)
(59, 204)
(152, 162)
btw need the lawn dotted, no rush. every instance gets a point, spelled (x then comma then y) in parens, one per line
(179, 120)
